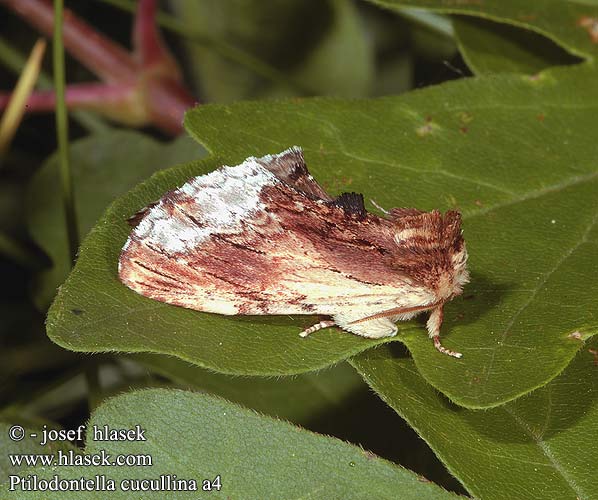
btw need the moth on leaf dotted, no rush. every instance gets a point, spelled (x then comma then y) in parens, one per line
(263, 237)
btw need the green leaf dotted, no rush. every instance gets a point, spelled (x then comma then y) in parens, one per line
(342, 64)
(104, 166)
(335, 402)
(490, 47)
(11, 204)
(562, 22)
(12, 227)
(17, 251)
(201, 437)
(516, 154)
(27, 445)
(539, 446)
(321, 46)
(297, 399)
(241, 24)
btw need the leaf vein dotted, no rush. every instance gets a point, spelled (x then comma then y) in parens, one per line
(533, 295)
(543, 445)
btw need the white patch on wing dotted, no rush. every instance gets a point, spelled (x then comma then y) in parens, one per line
(127, 244)
(223, 198)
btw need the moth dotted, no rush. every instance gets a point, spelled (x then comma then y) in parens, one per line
(263, 237)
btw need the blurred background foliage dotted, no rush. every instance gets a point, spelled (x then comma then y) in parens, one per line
(228, 51)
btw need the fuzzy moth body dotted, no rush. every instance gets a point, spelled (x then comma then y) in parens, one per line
(263, 237)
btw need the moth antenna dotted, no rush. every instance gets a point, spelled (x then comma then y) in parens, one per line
(379, 207)
(453, 67)
(395, 312)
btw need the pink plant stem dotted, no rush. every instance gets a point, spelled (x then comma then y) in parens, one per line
(84, 95)
(142, 88)
(148, 43)
(105, 58)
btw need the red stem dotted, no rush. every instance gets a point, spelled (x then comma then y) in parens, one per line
(106, 59)
(148, 45)
(147, 42)
(85, 95)
(141, 88)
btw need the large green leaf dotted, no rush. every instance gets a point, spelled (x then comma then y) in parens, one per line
(342, 64)
(320, 46)
(540, 446)
(490, 47)
(562, 22)
(298, 399)
(201, 437)
(516, 154)
(26, 445)
(104, 166)
(335, 402)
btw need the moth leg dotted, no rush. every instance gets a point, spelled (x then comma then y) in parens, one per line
(433, 324)
(316, 327)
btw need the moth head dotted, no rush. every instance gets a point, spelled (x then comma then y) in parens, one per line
(431, 250)
(454, 274)
(460, 274)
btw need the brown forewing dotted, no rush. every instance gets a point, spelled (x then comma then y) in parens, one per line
(298, 232)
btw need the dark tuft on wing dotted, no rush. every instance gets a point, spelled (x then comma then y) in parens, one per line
(352, 204)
